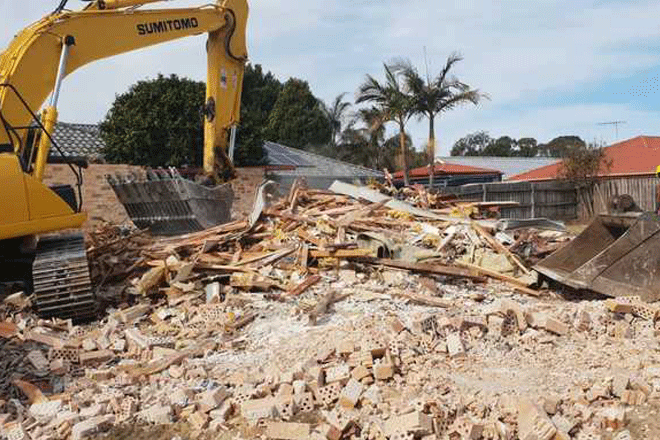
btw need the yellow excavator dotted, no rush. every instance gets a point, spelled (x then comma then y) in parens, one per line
(36, 256)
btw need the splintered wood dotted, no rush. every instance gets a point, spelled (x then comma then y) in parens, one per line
(309, 231)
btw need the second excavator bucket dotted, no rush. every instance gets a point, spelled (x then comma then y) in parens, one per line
(168, 204)
(616, 255)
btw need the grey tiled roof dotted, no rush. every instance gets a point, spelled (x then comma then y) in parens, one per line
(84, 140)
(78, 140)
(310, 164)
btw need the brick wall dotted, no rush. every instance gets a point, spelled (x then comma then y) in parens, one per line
(99, 201)
(101, 204)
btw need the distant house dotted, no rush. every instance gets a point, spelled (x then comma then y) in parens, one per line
(636, 157)
(286, 164)
(508, 166)
(450, 174)
(632, 172)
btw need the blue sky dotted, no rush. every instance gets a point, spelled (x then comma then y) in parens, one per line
(551, 67)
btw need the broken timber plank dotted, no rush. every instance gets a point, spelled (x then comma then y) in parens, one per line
(362, 192)
(306, 284)
(424, 299)
(340, 253)
(305, 236)
(426, 268)
(500, 247)
(268, 258)
(514, 282)
(242, 322)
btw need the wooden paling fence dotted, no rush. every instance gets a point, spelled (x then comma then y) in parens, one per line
(555, 200)
(641, 188)
(561, 200)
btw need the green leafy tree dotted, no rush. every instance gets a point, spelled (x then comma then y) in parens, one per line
(560, 146)
(390, 98)
(528, 147)
(431, 97)
(353, 147)
(472, 145)
(260, 92)
(156, 123)
(362, 142)
(297, 119)
(504, 146)
(481, 144)
(581, 162)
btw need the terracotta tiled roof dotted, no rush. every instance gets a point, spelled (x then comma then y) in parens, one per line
(636, 156)
(446, 168)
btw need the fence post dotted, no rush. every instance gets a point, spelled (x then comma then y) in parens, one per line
(533, 200)
(483, 189)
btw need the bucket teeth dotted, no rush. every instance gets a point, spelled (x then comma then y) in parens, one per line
(168, 204)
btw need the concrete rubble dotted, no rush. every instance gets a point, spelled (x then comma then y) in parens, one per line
(290, 329)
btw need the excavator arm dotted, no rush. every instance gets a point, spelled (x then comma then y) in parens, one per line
(43, 54)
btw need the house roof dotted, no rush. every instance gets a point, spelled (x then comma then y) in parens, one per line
(446, 169)
(296, 162)
(636, 156)
(84, 140)
(78, 140)
(508, 166)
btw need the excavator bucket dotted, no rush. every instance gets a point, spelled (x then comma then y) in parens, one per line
(169, 204)
(616, 255)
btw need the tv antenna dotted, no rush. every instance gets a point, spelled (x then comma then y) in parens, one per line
(616, 126)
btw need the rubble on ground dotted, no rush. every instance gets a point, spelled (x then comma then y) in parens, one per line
(335, 318)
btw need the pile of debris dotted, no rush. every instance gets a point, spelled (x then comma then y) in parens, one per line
(335, 315)
(374, 368)
(284, 246)
(114, 252)
(442, 203)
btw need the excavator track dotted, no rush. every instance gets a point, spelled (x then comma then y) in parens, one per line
(60, 273)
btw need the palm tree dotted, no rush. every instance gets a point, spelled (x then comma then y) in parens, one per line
(374, 131)
(335, 114)
(394, 104)
(433, 97)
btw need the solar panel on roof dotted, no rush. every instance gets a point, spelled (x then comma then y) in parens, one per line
(278, 155)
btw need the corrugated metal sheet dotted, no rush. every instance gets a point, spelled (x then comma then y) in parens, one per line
(310, 164)
(508, 166)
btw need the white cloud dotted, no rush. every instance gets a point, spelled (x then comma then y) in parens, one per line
(520, 52)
